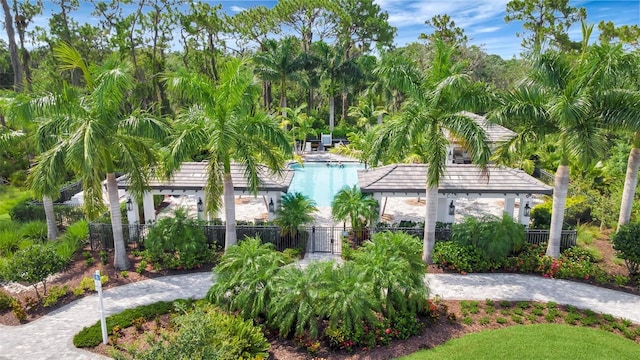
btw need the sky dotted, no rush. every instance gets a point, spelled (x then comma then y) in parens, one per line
(482, 20)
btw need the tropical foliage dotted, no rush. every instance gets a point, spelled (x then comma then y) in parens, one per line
(218, 119)
(381, 288)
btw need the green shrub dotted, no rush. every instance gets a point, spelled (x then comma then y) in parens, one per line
(541, 216)
(209, 334)
(627, 246)
(464, 259)
(25, 211)
(10, 242)
(33, 265)
(5, 301)
(78, 231)
(35, 231)
(55, 293)
(495, 238)
(529, 260)
(578, 253)
(392, 263)
(244, 277)
(92, 335)
(178, 242)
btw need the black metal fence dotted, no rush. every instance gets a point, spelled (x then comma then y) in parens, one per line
(315, 239)
(101, 235)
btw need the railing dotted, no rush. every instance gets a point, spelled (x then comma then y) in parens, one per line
(547, 177)
(567, 237)
(315, 239)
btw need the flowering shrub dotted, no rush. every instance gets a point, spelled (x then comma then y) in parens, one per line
(463, 258)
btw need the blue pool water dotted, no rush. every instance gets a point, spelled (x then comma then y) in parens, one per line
(321, 182)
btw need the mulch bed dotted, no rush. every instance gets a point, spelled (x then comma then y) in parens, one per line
(72, 277)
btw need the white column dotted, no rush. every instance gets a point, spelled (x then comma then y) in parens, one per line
(275, 200)
(133, 215)
(149, 210)
(378, 198)
(509, 206)
(443, 207)
(524, 220)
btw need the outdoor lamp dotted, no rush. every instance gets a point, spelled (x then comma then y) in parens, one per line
(527, 210)
(200, 205)
(129, 204)
(272, 207)
(452, 208)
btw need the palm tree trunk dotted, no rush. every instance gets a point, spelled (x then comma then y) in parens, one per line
(229, 212)
(345, 105)
(13, 48)
(630, 183)
(332, 108)
(283, 105)
(52, 229)
(120, 259)
(560, 189)
(430, 218)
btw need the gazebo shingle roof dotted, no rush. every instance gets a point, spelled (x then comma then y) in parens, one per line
(495, 133)
(458, 178)
(193, 176)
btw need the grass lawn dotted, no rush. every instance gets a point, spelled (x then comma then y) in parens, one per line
(9, 197)
(541, 341)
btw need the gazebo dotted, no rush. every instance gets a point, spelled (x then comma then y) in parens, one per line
(191, 179)
(459, 181)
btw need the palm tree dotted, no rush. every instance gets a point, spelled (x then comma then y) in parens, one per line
(561, 96)
(280, 63)
(222, 122)
(351, 204)
(337, 72)
(431, 115)
(298, 301)
(391, 262)
(45, 188)
(294, 210)
(244, 277)
(299, 123)
(95, 136)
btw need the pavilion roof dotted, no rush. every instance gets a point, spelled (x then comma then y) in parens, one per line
(457, 179)
(193, 176)
(495, 133)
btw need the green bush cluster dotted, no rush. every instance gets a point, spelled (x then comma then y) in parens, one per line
(207, 333)
(5, 302)
(25, 211)
(382, 285)
(178, 243)
(495, 238)
(92, 335)
(462, 258)
(627, 246)
(33, 265)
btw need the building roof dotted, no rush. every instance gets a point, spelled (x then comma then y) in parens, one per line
(495, 133)
(457, 179)
(193, 176)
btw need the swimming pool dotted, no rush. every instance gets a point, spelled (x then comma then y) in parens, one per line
(321, 182)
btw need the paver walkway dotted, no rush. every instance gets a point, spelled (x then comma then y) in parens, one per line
(50, 337)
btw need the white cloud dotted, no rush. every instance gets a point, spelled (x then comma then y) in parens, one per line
(488, 29)
(237, 8)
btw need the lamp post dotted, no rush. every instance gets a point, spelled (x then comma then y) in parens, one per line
(129, 204)
(200, 205)
(452, 208)
(272, 206)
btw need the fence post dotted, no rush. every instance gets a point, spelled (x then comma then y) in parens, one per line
(313, 239)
